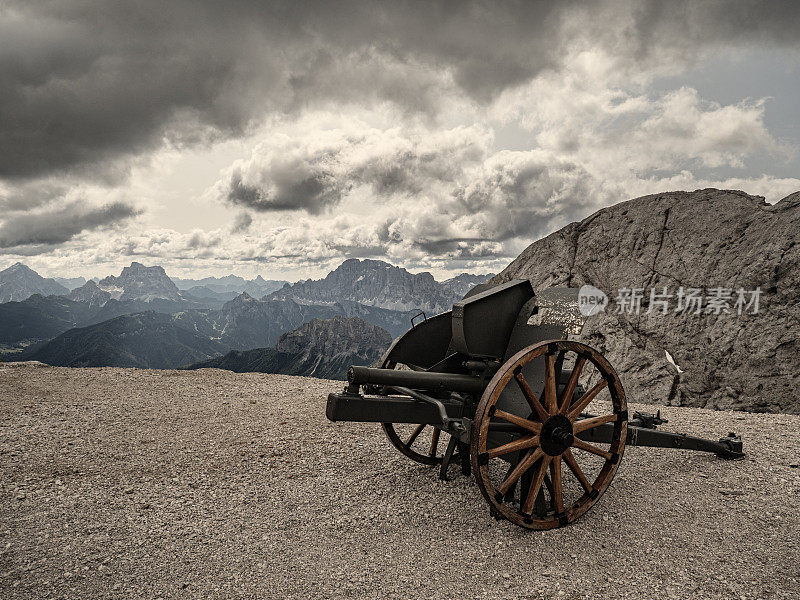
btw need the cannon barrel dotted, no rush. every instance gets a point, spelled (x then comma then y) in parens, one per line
(418, 380)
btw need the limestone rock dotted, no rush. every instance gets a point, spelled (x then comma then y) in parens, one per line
(703, 239)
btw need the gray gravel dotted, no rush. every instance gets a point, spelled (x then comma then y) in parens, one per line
(121, 483)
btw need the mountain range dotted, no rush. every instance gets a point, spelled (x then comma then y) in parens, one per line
(229, 284)
(376, 283)
(116, 321)
(39, 317)
(319, 348)
(242, 323)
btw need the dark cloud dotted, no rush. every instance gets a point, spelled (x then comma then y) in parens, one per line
(31, 195)
(689, 24)
(84, 83)
(242, 222)
(460, 248)
(289, 191)
(60, 225)
(527, 194)
(314, 172)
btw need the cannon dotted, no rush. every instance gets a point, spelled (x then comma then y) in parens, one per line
(541, 421)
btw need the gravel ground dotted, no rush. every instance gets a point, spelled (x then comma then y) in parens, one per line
(122, 483)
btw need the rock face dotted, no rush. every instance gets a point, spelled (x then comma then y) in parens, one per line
(703, 239)
(138, 282)
(19, 282)
(90, 293)
(320, 348)
(376, 283)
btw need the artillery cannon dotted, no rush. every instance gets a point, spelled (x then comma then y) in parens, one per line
(541, 421)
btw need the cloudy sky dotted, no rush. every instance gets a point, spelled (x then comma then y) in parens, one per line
(281, 138)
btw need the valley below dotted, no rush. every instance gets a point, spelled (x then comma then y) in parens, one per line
(127, 483)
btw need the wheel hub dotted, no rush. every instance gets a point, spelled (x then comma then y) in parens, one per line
(556, 435)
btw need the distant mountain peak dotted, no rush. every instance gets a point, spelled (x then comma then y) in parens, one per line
(139, 282)
(138, 268)
(90, 293)
(19, 282)
(242, 300)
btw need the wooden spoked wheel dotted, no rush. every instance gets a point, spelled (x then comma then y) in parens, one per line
(538, 450)
(420, 443)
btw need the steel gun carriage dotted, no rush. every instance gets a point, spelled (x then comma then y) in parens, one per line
(541, 421)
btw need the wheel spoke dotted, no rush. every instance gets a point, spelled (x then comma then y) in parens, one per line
(524, 423)
(569, 390)
(530, 396)
(550, 384)
(584, 424)
(525, 464)
(434, 442)
(579, 443)
(523, 443)
(509, 495)
(576, 470)
(536, 484)
(560, 363)
(586, 399)
(555, 476)
(415, 435)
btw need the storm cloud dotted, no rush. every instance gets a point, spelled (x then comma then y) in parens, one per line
(60, 225)
(314, 172)
(83, 83)
(86, 83)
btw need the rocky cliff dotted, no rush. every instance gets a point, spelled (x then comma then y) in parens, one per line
(704, 239)
(90, 293)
